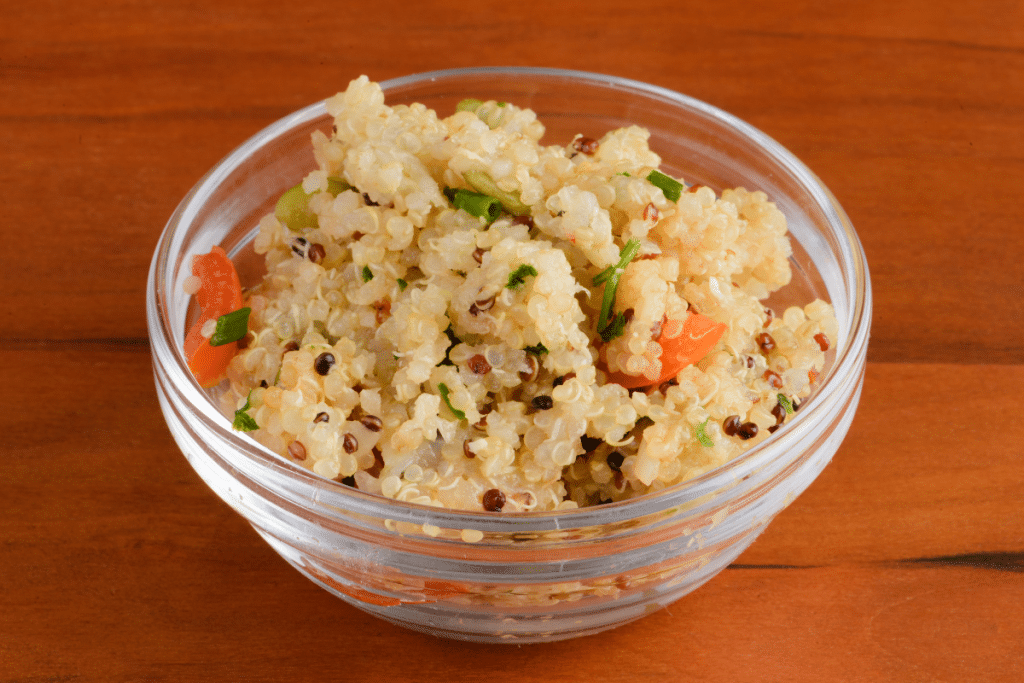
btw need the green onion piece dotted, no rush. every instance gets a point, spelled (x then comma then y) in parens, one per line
(367, 274)
(469, 104)
(231, 327)
(536, 350)
(292, 210)
(402, 284)
(704, 439)
(786, 403)
(670, 186)
(603, 275)
(611, 280)
(244, 422)
(474, 203)
(517, 278)
(337, 185)
(443, 389)
(615, 328)
(481, 182)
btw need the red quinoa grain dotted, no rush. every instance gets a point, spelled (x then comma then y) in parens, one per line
(297, 450)
(478, 365)
(372, 422)
(494, 500)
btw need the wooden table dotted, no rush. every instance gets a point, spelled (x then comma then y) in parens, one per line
(904, 561)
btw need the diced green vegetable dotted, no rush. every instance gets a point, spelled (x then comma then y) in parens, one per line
(442, 388)
(292, 210)
(786, 403)
(367, 274)
(670, 186)
(231, 327)
(468, 104)
(702, 436)
(244, 422)
(481, 182)
(402, 284)
(338, 185)
(517, 278)
(475, 203)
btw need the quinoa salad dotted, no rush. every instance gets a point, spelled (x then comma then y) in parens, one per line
(456, 315)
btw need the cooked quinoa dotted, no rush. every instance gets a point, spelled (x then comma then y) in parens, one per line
(411, 349)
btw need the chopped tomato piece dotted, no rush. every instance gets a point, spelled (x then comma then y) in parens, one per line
(682, 343)
(220, 293)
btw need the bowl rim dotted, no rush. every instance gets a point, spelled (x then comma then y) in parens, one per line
(848, 361)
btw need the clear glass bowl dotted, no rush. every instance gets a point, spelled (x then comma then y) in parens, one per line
(522, 577)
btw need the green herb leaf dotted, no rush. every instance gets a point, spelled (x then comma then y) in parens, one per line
(517, 278)
(367, 274)
(231, 327)
(444, 391)
(704, 439)
(244, 422)
(671, 187)
(786, 403)
(536, 350)
(402, 284)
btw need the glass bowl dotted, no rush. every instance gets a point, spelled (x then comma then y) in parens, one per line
(521, 577)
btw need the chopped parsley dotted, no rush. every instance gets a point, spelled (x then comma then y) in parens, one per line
(536, 350)
(517, 278)
(231, 327)
(786, 403)
(244, 422)
(402, 284)
(444, 391)
(702, 436)
(367, 274)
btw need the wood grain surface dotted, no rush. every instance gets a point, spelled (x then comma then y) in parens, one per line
(904, 561)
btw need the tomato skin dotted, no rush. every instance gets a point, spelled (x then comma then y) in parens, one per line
(220, 293)
(698, 336)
